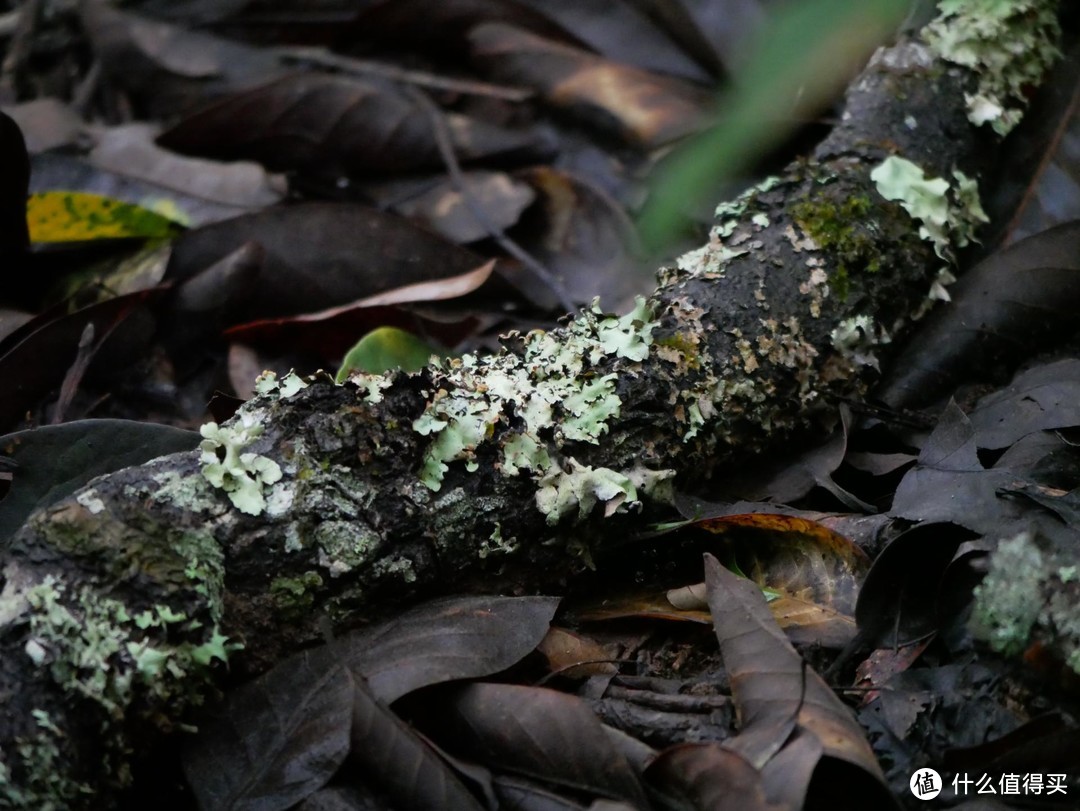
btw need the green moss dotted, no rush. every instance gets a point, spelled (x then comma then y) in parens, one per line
(841, 229)
(296, 595)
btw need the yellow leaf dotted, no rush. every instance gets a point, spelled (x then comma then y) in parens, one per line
(64, 216)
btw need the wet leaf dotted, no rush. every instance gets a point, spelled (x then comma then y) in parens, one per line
(1005, 308)
(538, 733)
(63, 216)
(56, 460)
(313, 122)
(642, 108)
(385, 349)
(950, 484)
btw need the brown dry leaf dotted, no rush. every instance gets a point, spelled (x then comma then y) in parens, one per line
(710, 777)
(576, 656)
(770, 684)
(338, 125)
(645, 109)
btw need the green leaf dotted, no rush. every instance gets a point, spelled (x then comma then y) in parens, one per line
(385, 349)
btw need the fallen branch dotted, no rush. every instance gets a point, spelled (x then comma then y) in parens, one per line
(120, 604)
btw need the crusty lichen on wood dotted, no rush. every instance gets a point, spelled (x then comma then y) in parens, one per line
(118, 604)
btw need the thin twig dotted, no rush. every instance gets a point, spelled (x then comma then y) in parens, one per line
(446, 151)
(364, 67)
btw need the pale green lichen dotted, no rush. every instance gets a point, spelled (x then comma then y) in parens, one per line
(581, 486)
(496, 544)
(1009, 44)
(549, 387)
(267, 383)
(1026, 597)
(948, 215)
(241, 475)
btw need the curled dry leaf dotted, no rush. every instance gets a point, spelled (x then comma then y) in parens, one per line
(645, 109)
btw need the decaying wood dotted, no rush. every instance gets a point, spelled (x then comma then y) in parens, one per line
(120, 604)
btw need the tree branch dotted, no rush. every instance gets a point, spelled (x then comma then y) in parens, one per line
(120, 604)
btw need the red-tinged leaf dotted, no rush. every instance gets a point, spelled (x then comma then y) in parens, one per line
(333, 125)
(585, 239)
(387, 754)
(277, 739)
(770, 683)
(710, 778)
(537, 733)
(798, 557)
(322, 255)
(14, 236)
(169, 68)
(447, 639)
(644, 109)
(35, 357)
(1011, 304)
(330, 338)
(54, 461)
(881, 665)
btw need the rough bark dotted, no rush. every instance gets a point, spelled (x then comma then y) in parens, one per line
(120, 604)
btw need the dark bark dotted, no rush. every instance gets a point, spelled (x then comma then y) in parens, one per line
(117, 602)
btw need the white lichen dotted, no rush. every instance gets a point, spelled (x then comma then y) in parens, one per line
(241, 475)
(1009, 44)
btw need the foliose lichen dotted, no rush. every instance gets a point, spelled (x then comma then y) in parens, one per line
(548, 394)
(948, 214)
(241, 475)
(1009, 44)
